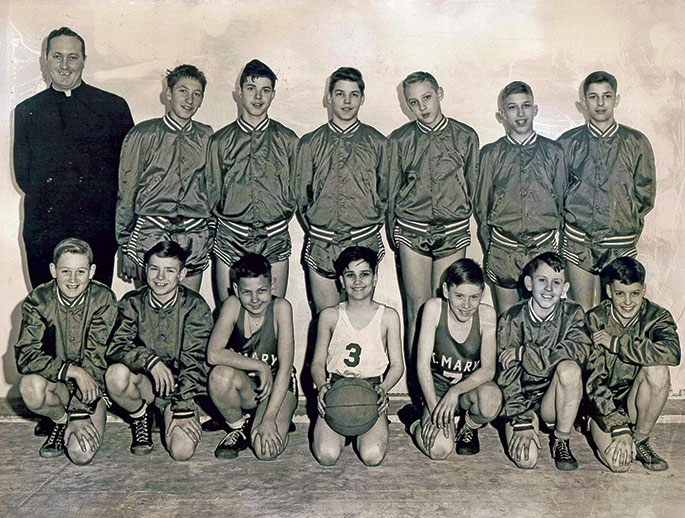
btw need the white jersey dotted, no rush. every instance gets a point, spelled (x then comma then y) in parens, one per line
(357, 353)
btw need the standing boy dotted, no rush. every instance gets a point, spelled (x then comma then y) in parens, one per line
(358, 338)
(250, 165)
(433, 172)
(252, 350)
(542, 343)
(611, 187)
(634, 343)
(163, 192)
(520, 194)
(342, 185)
(158, 354)
(65, 326)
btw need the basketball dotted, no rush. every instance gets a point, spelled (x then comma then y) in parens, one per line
(351, 406)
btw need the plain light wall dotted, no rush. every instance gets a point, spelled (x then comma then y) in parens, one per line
(472, 47)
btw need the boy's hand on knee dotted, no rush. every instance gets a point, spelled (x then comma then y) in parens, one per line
(383, 400)
(520, 444)
(85, 433)
(443, 413)
(621, 451)
(429, 431)
(266, 381)
(602, 338)
(128, 271)
(188, 425)
(320, 401)
(163, 378)
(267, 437)
(85, 383)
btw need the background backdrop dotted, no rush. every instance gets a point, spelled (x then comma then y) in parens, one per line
(473, 47)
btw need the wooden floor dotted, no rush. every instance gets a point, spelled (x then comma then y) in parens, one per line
(407, 484)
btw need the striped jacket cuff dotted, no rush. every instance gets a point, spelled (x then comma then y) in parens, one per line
(621, 430)
(521, 426)
(613, 346)
(62, 373)
(151, 362)
(183, 414)
(79, 416)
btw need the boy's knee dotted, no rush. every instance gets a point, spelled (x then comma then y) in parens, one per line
(440, 450)
(32, 389)
(117, 378)
(658, 376)
(326, 456)
(221, 378)
(489, 402)
(568, 373)
(77, 455)
(372, 455)
(181, 447)
(529, 463)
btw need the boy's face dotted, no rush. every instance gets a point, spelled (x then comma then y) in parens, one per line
(547, 287)
(163, 275)
(185, 98)
(72, 272)
(254, 294)
(256, 95)
(424, 102)
(626, 298)
(600, 101)
(358, 280)
(518, 111)
(463, 300)
(345, 100)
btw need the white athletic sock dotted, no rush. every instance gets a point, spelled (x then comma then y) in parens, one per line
(470, 423)
(63, 419)
(238, 424)
(140, 412)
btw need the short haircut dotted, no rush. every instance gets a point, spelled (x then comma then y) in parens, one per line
(551, 259)
(346, 74)
(355, 253)
(418, 77)
(189, 71)
(255, 69)
(65, 31)
(625, 270)
(250, 266)
(72, 245)
(464, 271)
(600, 76)
(515, 87)
(166, 249)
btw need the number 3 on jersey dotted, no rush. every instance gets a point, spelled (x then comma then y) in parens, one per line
(355, 352)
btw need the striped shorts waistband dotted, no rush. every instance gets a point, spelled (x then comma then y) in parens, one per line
(178, 224)
(574, 234)
(330, 236)
(538, 240)
(447, 228)
(246, 231)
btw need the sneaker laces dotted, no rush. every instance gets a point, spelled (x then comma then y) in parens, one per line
(563, 450)
(140, 428)
(646, 451)
(233, 436)
(465, 434)
(57, 435)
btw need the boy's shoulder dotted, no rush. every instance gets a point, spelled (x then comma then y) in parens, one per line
(281, 128)
(42, 296)
(457, 126)
(573, 134)
(192, 298)
(316, 134)
(226, 132)
(570, 307)
(516, 311)
(631, 133)
(147, 126)
(407, 129)
(102, 292)
(203, 129)
(371, 132)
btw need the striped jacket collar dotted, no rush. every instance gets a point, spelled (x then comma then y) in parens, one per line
(175, 126)
(347, 131)
(537, 319)
(425, 128)
(531, 139)
(70, 303)
(249, 128)
(157, 304)
(598, 133)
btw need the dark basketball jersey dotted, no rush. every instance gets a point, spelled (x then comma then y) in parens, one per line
(451, 360)
(262, 344)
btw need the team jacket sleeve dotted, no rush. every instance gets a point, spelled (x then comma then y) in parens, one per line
(383, 173)
(130, 168)
(559, 184)
(394, 182)
(28, 351)
(471, 168)
(124, 347)
(481, 199)
(645, 178)
(576, 343)
(509, 336)
(99, 332)
(609, 418)
(192, 378)
(304, 172)
(661, 346)
(22, 149)
(214, 171)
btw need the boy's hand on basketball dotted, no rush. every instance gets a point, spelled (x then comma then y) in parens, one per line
(164, 379)
(320, 402)
(621, 451)
(85, 433)
(443, 413)
(188, 425)
(519, 446)
(85, 383)
(128, 271)
(266, 382)
(428, 431)
(507, 357)
(602, 338)
(267, 437)
(383, 400)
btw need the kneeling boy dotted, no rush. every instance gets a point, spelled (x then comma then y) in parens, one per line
(635, 342)
(358, 338)
(65, 326)
(157, 353)
(259, 329)
(542, 343)
(456, 364)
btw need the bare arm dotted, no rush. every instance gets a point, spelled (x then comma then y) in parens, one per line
(429, 323)
(391, 325)
(283, 319)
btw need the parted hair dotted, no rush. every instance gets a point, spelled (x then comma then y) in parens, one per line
(65, 31)
(355, 253)
(190, 71)
(346, 74)
(626, 270)
(167, 249)
(72, 245)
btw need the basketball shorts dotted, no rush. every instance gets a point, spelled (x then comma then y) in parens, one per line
(292, 384)
(233, 241)
(592, 257)
(506, 258)
(192, 234)
(435, 241)
(323, 247)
